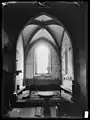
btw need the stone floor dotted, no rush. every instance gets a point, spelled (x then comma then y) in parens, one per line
(37, 112)
(63, 111)
(33, 112)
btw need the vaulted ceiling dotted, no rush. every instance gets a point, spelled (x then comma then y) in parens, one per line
(14, 17)
(42, 25)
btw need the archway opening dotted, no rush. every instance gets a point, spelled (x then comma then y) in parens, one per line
(42, 55)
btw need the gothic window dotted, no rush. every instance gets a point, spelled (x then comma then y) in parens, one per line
(42, 60)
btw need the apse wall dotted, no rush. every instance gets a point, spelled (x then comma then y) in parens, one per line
(55, 62)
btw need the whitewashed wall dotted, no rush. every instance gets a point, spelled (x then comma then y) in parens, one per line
(20, 62)
(65, 46)
(69, 76)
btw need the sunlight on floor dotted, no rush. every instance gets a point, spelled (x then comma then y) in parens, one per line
(31, 112)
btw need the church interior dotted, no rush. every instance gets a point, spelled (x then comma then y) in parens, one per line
(44, 50)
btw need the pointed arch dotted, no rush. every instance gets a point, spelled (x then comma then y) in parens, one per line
(41, 24)
(47, 22)
(41, 39)
(42, 33)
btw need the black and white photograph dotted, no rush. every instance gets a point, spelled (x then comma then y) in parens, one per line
(44, 60)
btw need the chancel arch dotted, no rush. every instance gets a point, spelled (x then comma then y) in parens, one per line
(58, 41)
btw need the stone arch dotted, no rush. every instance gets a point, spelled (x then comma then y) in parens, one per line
(41, 24)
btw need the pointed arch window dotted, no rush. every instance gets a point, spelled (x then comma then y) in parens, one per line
(42, 64)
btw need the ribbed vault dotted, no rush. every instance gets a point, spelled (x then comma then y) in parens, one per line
(42, 28)
(44, 23)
